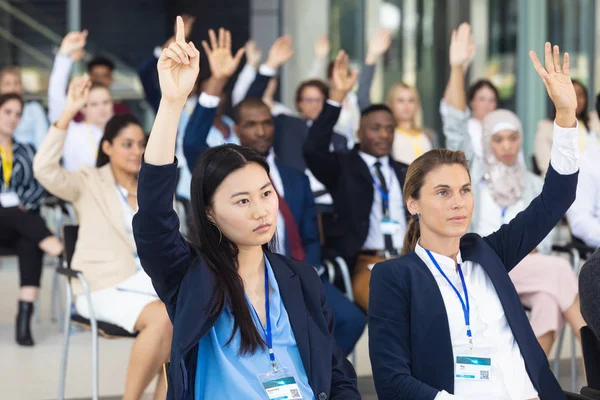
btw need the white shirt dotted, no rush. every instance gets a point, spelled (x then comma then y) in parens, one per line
(375, 239)
(81, 145)
(584, 214)
(128, 214)
(489, 327)
(33, 126)
(278, 184)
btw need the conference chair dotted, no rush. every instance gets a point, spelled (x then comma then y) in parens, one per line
(97, 327)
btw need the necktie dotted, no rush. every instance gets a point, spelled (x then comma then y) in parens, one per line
(389, 243)
(291, 229)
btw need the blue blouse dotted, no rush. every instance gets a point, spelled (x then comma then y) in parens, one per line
(221, 374)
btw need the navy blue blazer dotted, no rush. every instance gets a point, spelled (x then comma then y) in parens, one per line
(296, 185)
(291, 132)
(186, 284)
(409, 336)
(149, 79)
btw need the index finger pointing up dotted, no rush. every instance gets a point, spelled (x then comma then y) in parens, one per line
(180, 31)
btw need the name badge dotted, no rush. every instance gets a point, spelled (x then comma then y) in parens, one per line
(389, 226)
(9, 199)
(280, 385)
(473, 368)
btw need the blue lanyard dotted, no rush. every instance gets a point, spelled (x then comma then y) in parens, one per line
(464, 303)
(385, 194)
(267, 332)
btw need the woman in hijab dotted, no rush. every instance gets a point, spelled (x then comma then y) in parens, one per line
(503, 187)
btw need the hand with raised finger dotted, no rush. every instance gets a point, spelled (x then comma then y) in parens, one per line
(557, 80)
(222, 63)
(77, 95)
(73, 44)
(462, 48)
(253, 54)
(378, 45)
(280, 52)
(178, 67)
(342, 82)
(322, 47)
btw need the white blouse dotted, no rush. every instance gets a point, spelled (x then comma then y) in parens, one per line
(489, 326)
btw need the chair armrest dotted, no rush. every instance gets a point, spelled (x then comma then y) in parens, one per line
(590, 393)
(71, 273)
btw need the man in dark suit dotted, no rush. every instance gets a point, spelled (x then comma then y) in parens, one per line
(290, 131)
(365, 183)
(297, 231)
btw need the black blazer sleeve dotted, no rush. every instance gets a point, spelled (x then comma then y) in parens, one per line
(390, 337)
(343, 376)
(515, 240)
(324, 164)
(258, 86)
(149, 79)
(164, 253)
(196, 133)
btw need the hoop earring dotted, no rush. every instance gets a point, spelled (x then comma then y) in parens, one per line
(220, 233)
(416, 217)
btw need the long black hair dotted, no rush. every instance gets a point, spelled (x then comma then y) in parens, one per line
(113, 128)
(220, 253)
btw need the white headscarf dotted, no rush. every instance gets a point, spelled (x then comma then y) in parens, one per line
(506, 182)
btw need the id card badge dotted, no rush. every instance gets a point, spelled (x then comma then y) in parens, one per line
(9, 199)
(280, 385)
(389, 226)
(473, 364)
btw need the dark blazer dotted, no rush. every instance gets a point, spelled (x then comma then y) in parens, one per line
(409, 337)
(186, 284)
(149, 79)
(290, 131)
(298, 194)
(347, 179)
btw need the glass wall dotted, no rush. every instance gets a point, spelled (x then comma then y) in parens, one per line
(346, 22)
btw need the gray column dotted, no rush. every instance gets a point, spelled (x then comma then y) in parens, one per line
(531, 94)
(74, 24)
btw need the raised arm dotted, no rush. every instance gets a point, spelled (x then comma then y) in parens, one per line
(46, 163)
(279, 54)
(222, 65)
(378, 46)
(247, 74)
(71, 50)
(512, 242)
(322, 162)
(318, 69)
(164, 253)
(462, 51)
(390, 337)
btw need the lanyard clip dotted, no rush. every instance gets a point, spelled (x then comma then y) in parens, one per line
(274, 365)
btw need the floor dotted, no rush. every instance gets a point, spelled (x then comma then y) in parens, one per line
(33, 373)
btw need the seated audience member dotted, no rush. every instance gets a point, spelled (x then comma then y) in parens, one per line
(105, 200)
(21, 226)
(411, 140)
(221, 131)
(589, 287)
(589, 129)
(366, 183)
(290, 131)
(100, 69)
(34, 123)
(239, 311)
(445, 320)
(83, 138)
(297, 231)
(584, 215)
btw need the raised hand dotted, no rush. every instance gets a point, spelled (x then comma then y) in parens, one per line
(77, 95)
(73, 45)
(341, 80)
(253, 54)
(280, 52)
(557, 80)
(322, 47)
(188, 23)
(462, 48)
(378, 45)
(222, 63)
(178, 67)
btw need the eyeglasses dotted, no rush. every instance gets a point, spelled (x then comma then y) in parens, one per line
(312, 100)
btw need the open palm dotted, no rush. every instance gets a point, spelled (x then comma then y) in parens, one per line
(342, 80)
(222, 63)
(557, 79)
(178, 66)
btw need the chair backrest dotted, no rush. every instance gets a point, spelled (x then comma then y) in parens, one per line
(591, 357)
(70, 233)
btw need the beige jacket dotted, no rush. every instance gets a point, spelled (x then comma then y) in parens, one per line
(104, 252)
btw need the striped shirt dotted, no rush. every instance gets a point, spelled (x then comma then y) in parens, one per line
(22, 181)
